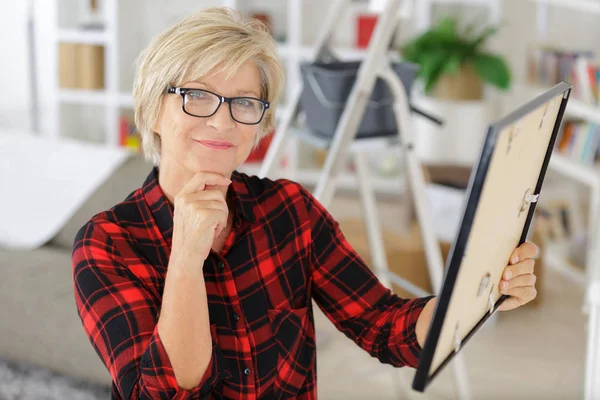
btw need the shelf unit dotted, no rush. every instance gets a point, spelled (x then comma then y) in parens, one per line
(111, 99)
(589, 112)
(108, 38)
(590, 177)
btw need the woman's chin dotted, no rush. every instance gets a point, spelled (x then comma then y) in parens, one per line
(221, 168)
(223, 163)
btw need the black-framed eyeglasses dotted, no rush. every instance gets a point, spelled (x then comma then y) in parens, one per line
(204, 103)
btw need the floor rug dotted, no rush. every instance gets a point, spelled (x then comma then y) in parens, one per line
(24, 382)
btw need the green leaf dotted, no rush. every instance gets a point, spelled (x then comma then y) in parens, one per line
(432, 68)
(493, 69)
(411, 51)
(443, 50)
(452, 64)
(469, 29)
(445, 30)
(478, 41)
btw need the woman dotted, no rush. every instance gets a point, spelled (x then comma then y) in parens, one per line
(199, 284)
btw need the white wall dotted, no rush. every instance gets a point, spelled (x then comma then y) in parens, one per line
(15, 101)
(14, 77)
(43, 43)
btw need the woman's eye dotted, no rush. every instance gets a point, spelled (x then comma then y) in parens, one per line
(197, 95)
(244, 103)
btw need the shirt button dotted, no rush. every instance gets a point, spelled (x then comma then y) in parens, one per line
(247, 371)
(221, 265)
(236, 317)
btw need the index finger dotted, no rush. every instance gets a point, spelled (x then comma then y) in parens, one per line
(199, 182)
(526, 250)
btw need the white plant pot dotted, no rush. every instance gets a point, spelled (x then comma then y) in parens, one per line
(460, 139)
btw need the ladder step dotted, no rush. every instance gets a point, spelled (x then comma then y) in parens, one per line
(361, 143)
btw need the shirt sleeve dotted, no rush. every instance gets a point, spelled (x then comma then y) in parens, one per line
(120, 315)
(352, 297)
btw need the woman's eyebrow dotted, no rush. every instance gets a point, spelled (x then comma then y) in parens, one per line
(239, 92)
(208, 86)
(247, 92)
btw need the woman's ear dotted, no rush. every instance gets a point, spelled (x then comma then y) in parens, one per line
(156, 125)
(157, 121)
(257, 137)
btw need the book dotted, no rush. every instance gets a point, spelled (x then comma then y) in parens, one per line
(547, 66)
(580, 141)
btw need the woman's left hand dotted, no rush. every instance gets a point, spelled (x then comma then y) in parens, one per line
(520, 287)
(518, 279)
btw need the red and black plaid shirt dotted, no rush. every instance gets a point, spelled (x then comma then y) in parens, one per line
(284, 250)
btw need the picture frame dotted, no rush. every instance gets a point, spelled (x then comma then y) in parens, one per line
(502, 193)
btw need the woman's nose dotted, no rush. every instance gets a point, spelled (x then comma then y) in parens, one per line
(222, 120)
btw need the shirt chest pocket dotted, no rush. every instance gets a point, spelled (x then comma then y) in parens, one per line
(286, 280)
(282, 266)
(293, 332)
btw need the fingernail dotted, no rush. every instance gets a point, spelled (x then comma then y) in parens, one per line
(504, 285)
(515, 259)
(507, 275)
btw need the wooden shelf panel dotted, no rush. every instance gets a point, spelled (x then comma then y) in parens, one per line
(82, 36)
(83, 96)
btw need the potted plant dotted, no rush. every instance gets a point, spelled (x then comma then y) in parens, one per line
(453, 62)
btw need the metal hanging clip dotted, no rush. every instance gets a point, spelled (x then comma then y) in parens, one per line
(491, 300)
(528, 199)
(457, 341)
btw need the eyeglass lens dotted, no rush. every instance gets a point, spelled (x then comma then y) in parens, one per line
(203, 104)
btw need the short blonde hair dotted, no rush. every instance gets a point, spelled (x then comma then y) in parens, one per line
(194, 46)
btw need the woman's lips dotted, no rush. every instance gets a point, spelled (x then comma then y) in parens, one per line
(215, 144)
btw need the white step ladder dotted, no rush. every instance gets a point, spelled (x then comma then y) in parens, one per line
(370, 69)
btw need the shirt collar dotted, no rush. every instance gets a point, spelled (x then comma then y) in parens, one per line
(162, 209)
(243, 199)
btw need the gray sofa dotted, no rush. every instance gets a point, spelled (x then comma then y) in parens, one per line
(40, 324)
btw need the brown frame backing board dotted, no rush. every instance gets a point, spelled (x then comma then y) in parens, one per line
(503, 190)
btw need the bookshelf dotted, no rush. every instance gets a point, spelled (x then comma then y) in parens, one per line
(582, 106)
(590, 177)
(112, 100)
